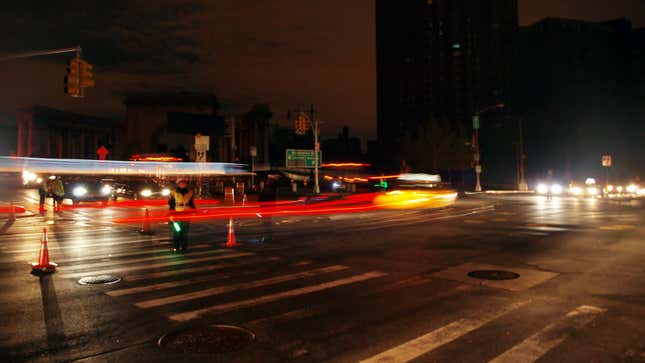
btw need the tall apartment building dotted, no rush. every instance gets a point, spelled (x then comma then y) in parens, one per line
(439, 58)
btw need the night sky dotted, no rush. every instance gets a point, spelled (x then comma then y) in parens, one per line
(287, 53)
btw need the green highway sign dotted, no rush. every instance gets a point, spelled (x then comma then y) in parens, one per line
(301, 158)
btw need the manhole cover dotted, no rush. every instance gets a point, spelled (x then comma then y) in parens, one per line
(99, 280)
(208, 339)
(493, 275)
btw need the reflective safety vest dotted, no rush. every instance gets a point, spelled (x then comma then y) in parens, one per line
(181, 200)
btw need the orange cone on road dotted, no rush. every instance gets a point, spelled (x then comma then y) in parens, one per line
(43, 264)
(146, 224)
(230, 240)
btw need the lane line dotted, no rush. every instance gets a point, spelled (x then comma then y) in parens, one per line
(180, 261)
(236, 287)
(161, 274)
(189, 315)
(168, 255)
(426, 343)
(538, 344)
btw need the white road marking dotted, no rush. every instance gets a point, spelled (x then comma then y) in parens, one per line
(426, 343)
(137, 260)
(137, 251)
(180, 261)
(161, 274)
(538, 344)
(241, 286)
(53, 245)
(172, 284)
(189, 315)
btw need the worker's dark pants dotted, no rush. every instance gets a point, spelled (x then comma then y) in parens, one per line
(267, 226)
(180, 238)
(42, 194)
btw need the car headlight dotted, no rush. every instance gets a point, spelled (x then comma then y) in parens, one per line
(39, 180)
(165, 192)
(79, 191)
(575, 190)
(542, 188)
(609, 188)
(619, 188)
(556, 189)
(592, 191)
(28, 176)
(106, 190)
(632, 188)
(146, 193)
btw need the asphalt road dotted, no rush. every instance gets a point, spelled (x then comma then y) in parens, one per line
(383, 286)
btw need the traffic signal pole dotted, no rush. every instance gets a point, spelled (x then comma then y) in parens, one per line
(37, 53)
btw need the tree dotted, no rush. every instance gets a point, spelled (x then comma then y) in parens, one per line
(437, 145)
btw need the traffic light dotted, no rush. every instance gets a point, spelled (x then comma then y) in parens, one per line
(301, 124)
(72, 81)
(86, 78)
(79, 76)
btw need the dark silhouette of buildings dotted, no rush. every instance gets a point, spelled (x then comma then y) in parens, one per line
(578, 87)
(46, 132)
(441, 59)
(344, 148)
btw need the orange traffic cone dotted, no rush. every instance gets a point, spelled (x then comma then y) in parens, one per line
(43, 264)
(12, 213)
(146, 224)
(230, 240)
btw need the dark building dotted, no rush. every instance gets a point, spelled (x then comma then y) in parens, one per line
(252, 135)
(46, 132)
(344, 148)
(577, 89)
(442, 59)
(168, 123)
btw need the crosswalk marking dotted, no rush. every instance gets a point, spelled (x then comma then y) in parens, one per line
(535, 346)
(137, 260)
(133, 252)
(172, 284)
(189, 315)
(438, 337)
(180, 261)
(220, 266)
(241, 286)
(113, 243)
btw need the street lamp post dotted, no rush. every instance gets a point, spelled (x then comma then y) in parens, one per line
(477, 154)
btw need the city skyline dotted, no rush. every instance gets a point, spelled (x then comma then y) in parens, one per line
(286, 59)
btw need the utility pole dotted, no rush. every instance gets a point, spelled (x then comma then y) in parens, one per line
(477, 154)
(233, 147)
(522, 186)
(316, 130)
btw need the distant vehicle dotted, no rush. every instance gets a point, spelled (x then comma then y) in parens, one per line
(549, 188)
(79, 189)
(589, 189)
(30, 179)
(143, 189)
